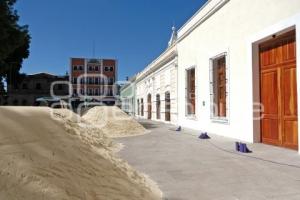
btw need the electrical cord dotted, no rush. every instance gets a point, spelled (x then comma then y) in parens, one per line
(245, 155)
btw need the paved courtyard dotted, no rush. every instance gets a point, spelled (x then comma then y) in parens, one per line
(187, 168)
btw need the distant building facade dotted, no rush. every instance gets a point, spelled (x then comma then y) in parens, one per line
(128, 97)
(34, 86)
(94, 79)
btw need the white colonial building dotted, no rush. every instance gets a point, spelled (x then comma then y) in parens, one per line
(231, 70)
(156, 87)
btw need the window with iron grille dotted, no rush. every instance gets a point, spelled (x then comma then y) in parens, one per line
(110, 81)
(90, 80)
(82, 91)
(96, 81)
(219, 88)
(74, 80)
(190, 92)
(96, 92)
(74, 91)
(90, 92)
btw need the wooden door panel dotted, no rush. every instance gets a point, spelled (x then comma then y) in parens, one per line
(269, 92)
(279, 124)
(289, 81)
(289, 92)
(288, 49)
(290, 137)
(267, 56)
(269, 99)
(270, 131)
(290, 108)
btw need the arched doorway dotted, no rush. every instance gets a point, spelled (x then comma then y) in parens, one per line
(142, 107)
(138, 107)
(167, 106)
(157, 106)
(149, 102)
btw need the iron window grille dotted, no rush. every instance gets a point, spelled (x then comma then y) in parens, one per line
(219, 88)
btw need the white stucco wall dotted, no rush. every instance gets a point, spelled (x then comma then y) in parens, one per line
(159, 82)
(234, 28)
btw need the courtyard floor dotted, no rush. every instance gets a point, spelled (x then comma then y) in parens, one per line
(187, 168)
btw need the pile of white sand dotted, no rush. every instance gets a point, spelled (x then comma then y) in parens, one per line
(62, 158)
(113, 121)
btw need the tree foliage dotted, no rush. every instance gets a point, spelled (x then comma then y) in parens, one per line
(14, 42)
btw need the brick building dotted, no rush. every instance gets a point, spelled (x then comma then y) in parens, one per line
(94, 79)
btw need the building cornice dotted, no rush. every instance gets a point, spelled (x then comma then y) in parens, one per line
(203, 14)
(164, 58)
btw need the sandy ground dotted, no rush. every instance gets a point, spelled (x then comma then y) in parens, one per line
(62, 158)
(113, 121)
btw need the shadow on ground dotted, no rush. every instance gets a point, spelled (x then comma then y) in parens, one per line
(148, 125)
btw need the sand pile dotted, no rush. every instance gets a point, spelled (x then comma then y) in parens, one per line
(46, 158)
(113, 121)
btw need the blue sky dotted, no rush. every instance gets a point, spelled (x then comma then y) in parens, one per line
(132, 31)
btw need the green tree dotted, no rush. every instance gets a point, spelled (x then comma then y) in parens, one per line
(14, 42)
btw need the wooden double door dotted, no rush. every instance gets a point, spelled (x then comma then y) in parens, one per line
(149, 103)
(279, 119)
(157, 106)
(167, 106)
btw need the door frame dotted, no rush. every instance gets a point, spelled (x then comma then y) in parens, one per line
(252, 42)
(277, 68)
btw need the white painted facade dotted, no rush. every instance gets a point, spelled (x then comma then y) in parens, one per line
(234, 28)
(157, 79)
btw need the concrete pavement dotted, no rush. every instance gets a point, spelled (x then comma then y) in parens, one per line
(187, 168)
